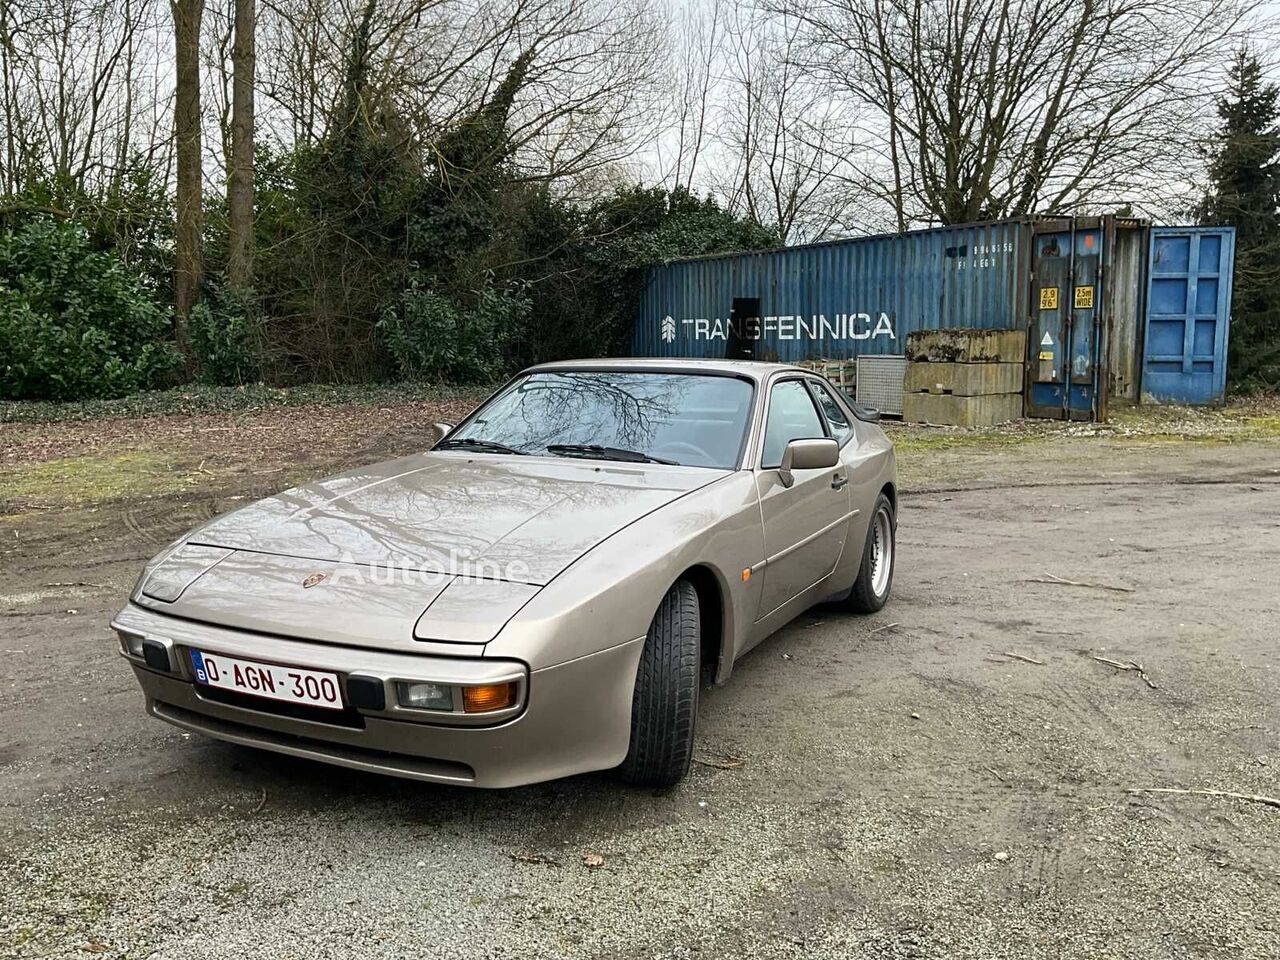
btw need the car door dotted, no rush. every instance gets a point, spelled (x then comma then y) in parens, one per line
(805, 524)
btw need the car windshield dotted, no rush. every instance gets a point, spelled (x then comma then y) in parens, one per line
(688, 419)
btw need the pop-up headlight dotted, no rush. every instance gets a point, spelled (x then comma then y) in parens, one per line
(181, 568)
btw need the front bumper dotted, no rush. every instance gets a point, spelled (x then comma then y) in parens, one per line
(575, 716)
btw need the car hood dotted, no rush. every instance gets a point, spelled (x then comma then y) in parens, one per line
(518, 519)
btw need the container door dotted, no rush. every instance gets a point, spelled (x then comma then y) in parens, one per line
(744, 319)
(1188, 314)
(1064, 333)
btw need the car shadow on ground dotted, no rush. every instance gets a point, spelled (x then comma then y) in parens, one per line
(537, 816)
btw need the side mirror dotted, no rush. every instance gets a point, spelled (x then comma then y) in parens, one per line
(816, 454)
(442, 429)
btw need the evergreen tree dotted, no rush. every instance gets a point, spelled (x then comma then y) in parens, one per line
(1244, 172)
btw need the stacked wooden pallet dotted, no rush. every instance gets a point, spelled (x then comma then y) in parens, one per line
(965, 378)
(839, 372)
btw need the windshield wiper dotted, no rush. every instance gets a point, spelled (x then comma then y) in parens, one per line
(471, 443)
(594, 451)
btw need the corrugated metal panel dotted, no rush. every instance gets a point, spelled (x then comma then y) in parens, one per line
(840, 299)
(1127, 288)
(1188, 314)
(879, 383)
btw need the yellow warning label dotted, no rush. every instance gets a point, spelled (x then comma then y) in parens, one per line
(1084, 298)
(1046, 354)
(1048, 298)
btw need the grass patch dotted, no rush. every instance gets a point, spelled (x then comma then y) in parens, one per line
(1268, 426)
(203, 399)
(1250, 420)
(1204, 439)
(92, 479)
(927, 441)
(21, 517)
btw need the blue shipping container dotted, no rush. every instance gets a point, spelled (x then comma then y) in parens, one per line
(839, 299)
(1106, 314)
(1188, 314)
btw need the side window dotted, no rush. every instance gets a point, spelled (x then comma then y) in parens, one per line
(837, 419)
(791, 417)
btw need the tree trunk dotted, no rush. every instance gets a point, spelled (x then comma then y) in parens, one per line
(187, 15)
(240, 183)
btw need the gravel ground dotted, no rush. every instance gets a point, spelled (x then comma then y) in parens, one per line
(907, 787)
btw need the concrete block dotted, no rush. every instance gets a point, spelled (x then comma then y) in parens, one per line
(951, 410)
(967, 346)
(964, 379)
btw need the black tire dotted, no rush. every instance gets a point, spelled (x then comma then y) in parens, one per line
(864, 598)
(664, 707)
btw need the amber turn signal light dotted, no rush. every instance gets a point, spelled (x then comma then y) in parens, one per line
(491, 696)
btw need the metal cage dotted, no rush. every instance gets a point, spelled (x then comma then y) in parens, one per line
(879, 382)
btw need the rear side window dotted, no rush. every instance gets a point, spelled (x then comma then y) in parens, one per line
(792, 416)
(837, 419)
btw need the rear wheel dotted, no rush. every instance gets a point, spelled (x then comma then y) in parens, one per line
(664, 707)
(875, 576)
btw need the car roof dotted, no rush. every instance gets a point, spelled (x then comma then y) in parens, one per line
(755, 369)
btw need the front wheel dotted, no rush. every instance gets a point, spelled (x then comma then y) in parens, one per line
(664, 707)
(875, 576)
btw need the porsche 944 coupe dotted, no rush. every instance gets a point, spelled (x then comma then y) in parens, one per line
(542, 593)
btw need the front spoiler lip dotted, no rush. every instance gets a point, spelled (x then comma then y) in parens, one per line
(179, 635)
(325, 751)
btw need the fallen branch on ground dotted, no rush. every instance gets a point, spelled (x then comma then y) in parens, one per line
(1132, 666)
(726, 762)
(1018, 656)
(1050, 578)
(887, 626)
(1225, 794)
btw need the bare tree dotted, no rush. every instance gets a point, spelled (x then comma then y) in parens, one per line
(73, 96)
(775, 122)
(240, 181)
(587, 100)
(187, 15)
(698, 35)
(217, 82)
(11, 105)
(991, 109)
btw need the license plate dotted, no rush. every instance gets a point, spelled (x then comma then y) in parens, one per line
(315, 688)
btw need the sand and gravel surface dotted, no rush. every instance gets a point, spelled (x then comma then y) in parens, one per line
(946, 779)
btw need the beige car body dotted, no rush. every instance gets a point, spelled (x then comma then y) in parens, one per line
(595, 545)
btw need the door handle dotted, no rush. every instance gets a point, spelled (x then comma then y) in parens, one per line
(838, 482)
